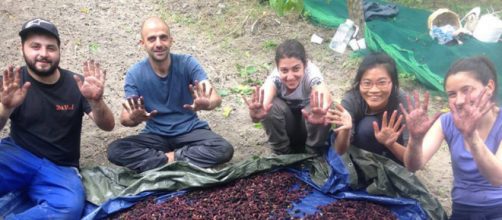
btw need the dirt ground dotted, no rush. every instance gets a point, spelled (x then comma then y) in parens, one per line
(221, 34)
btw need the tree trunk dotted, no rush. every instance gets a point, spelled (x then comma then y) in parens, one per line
(356, 14)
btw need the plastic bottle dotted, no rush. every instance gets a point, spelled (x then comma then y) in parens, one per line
(342, 36)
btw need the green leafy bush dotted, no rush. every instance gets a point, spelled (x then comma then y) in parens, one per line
(283, 6)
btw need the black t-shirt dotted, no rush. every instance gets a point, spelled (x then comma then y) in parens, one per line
(49, 121)
(362, 134)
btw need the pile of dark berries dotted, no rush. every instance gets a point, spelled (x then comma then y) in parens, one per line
(352, 210)
(266, 196)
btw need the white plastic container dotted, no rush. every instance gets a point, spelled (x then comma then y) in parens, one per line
(342, 36)
(488, 29)
(316, 39)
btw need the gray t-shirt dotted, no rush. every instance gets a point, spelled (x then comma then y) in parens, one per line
(301, 96)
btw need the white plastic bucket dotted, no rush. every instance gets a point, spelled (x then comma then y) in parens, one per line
(488, 29)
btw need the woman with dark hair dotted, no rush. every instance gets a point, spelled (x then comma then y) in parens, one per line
(289, 91)
(473, 131)
(363, 114)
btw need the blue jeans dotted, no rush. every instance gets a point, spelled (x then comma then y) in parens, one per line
(56, 191)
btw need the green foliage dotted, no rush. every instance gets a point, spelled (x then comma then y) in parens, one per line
(223, 92)
(284, 6)
(269, 45)
(94, 47)
(242, 90)
(258, 125)
(407, 76)
(247, 73)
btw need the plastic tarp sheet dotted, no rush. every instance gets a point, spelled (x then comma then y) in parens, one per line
(110, 190)
(378, 175)
(406, 38)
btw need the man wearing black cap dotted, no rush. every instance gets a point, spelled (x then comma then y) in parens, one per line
(45, 105)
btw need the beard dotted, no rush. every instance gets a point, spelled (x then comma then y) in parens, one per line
(31, 64)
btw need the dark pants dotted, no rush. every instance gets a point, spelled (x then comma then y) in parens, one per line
(465, 212)
(142, 152)
(288, 132)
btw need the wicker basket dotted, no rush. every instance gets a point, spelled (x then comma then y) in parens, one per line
(442, 17)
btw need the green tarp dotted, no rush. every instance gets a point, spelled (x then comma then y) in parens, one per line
(104, 183)
(406, 38)
(377, 175)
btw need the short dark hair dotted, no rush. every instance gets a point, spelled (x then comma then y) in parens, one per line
(479, 67)
(290, 49)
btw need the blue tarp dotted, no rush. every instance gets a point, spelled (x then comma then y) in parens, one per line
(335, 188)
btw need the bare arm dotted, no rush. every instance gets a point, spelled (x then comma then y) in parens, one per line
(468, 121)
(426, 133)
(269, 93)
(489, 164)
(92, 88)
(4, 115)
(420, 151)
(102, 115)
(398, 150)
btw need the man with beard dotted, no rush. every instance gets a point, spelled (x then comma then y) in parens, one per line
(165, 90)
(45, 105)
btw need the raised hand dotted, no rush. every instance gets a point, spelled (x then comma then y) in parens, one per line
(317, 114)
(391, 129)
(467, 117)
(340, 117)
(135, 106)
(257, 110)
(93, 84)
(12, 93)
(201, 98)
(416, 116)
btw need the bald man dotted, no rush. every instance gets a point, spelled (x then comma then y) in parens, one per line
(165, 90)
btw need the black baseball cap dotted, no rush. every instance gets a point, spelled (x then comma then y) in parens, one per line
(39, 24)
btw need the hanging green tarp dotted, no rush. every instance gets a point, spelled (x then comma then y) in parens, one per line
(406, 38)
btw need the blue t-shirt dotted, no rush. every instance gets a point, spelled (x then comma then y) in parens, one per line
(167, 95)
(469, 186)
